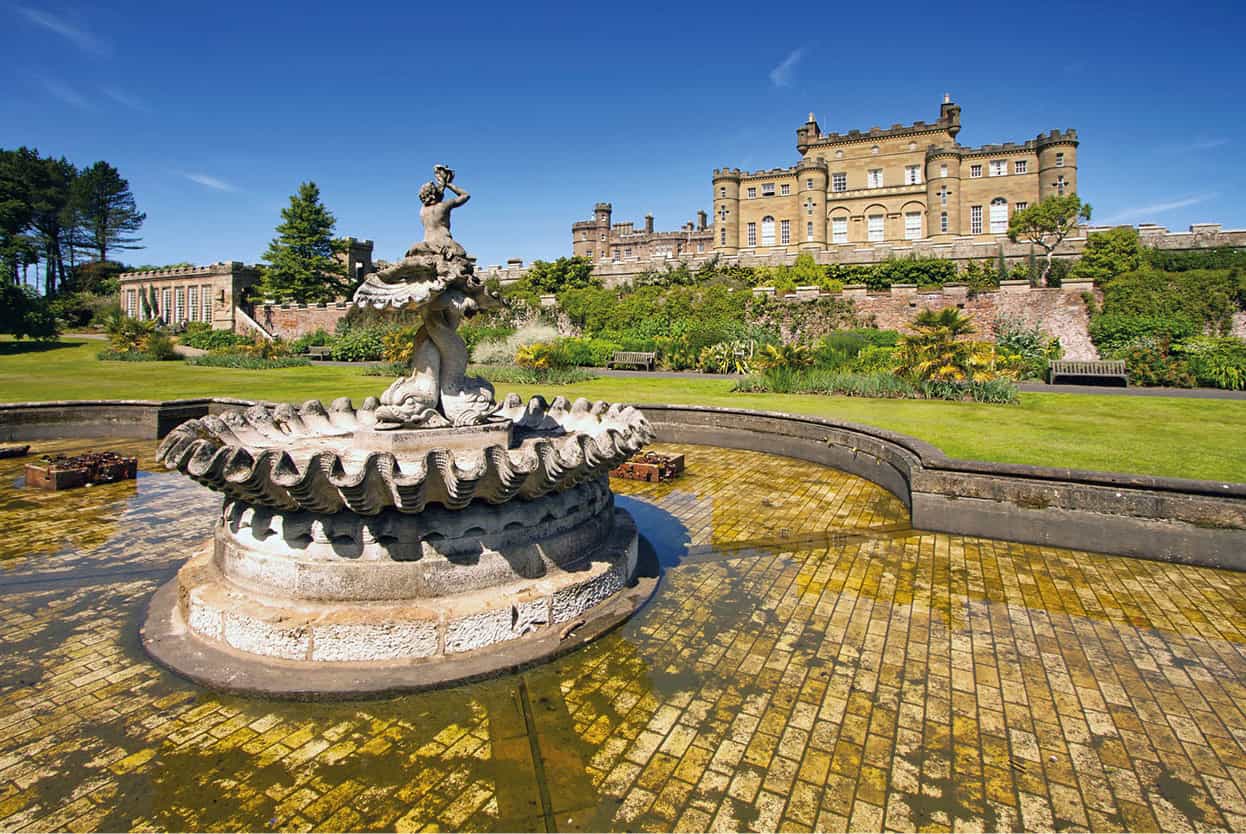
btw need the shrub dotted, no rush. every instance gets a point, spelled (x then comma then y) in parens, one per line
(937, 351)
(1028, 350)
(364, 344)
(78, 309)
(25, 313)
(127, 335)
(586, 352)
(725, 358)
(1216, 362)
(317, 338)
(248, 362)
(1151, 363)
(1115, 333)
(1207, 298)
(784, 356)
(160, 346)
(878, 385)
(387, 369)
(1109, 254)
(840, 348)
(532, 376)
(502, 351)
(874, 359)
(399, 345)
(1221, 257)
(132, 356)
(200, 335)
(540, 356)
(474, 334)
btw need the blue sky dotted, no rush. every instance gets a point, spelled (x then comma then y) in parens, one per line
(216, 111)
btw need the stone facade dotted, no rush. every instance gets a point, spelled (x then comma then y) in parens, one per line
(212, 293)
(599, 240)
(219, 293)
(901, 184)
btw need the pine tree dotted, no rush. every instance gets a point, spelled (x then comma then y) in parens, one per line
(300, 265)
(103, 209)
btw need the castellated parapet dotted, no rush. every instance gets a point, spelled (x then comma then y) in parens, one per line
(886, 186)
(601, 240)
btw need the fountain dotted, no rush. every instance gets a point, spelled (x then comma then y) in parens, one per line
(429, 536)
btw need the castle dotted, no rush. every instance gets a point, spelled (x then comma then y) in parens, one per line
(853, 190)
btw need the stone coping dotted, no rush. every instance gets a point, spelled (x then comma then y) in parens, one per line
(1172, 519)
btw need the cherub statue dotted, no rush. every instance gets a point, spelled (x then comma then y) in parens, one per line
(437, 278)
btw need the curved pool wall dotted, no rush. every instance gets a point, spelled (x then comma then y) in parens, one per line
(1169, 519)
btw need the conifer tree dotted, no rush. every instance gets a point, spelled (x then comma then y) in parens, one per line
(299, 263)
(104, 210)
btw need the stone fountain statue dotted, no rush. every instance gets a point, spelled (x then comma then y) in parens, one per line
(428, 536)
(437, 278)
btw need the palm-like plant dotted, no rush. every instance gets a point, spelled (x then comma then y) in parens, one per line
(785, 356)
(127, 335)
(937, 352)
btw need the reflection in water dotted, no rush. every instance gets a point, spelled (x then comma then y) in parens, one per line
(808, 661)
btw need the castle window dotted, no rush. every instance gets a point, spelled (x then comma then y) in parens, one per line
(912, 174)
(809, 230)
(785, 232)
(179, 308)
(1060, 160)
(752, 234)
(839, 230)
(627, 253)
(809, 204)
(874, 150)
(943, 192)
(874, 231)
(767, 189)
(722, 238)
(700, 246)
(767, 231)
(975, 171)
(874, 178)
(1060, 186)
(192, 303)
(999, 216)
(912, 225)
(999, 167)
(1020, 205)
(131, 303)
(943, 170)
(752, 193)
(205, 294)
(943, 222)
(784, 190)
(1020, 166)
(603, 235)
(809, 184)
(839, 154)
(166, 301)
(839, 182)
(722, 192)
(975, 220)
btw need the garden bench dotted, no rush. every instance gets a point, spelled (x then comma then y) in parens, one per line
(1099, 372)
(319, 352)
(634, 358)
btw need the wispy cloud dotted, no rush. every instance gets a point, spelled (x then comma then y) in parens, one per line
(122, 97)
(781, 76)
(67, 94)
(211, 182)
(80, 37)
(1208, 144)
(1145, 212)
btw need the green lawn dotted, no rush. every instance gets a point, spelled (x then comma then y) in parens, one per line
(1187, 438)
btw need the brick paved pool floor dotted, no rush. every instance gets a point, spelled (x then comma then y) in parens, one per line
(809, 662)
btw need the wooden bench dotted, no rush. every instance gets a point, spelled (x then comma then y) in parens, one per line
(634, 359)
(1100, 372)
(319, 352)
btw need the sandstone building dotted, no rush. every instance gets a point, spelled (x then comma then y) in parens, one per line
(600, 240)
(904, 183)
(218, 294)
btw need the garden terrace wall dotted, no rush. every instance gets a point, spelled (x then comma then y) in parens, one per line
(289, 321)
(1168, 519)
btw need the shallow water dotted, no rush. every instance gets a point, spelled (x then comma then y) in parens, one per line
(808, 661)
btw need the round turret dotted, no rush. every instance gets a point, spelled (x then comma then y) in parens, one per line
(943, 192)
(1057, 163)
(727, 210)
(812, 182)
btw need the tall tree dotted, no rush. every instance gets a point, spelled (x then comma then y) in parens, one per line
(15, 213)
(103, 208)
(300, 262)
(1047, 223)
(49, 182)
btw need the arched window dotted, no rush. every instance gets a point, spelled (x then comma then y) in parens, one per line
(999, 216)
(767, 231)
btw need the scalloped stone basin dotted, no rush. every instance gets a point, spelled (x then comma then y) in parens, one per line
(450, 552)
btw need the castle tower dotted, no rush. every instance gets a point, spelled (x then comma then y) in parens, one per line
(806, 134)
(1057, 163)
(591, 238)
(726, 210)
(949, 115)
(943, 192)
(812, 177)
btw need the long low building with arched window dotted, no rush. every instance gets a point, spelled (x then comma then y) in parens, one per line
(904, 183)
